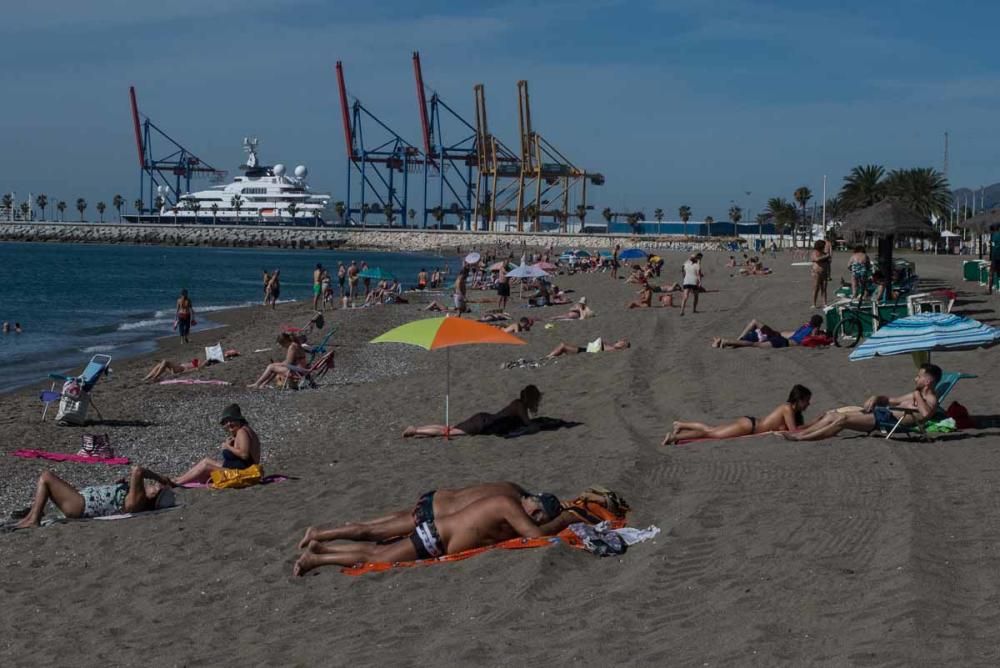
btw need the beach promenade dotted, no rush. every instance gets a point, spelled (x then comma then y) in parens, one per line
(848, 551)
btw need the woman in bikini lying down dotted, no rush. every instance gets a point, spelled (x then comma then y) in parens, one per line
(786, 417)
(517, 413)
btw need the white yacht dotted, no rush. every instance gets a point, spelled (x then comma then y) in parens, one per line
(264, 194)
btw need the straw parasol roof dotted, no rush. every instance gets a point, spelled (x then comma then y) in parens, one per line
(982, 222)
(888, 217)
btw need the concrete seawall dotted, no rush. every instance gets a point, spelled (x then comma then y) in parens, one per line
(324, 238)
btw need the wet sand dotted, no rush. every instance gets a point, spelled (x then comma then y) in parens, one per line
(850, 551)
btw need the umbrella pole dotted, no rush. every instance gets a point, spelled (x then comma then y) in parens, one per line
(447, 393)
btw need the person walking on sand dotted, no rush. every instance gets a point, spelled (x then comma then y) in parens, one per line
(503, 287)
(184, 315)
(821, 266)
(317, 286)
(341, 277)
(692, 282)
(460, 290)
(422, 279)
(614, 261)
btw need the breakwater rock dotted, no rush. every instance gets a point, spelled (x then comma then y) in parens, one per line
(249, 236)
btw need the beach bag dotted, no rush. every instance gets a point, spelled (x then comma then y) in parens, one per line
(599, 504)
(214, 353)
(960, 414)
(96, 445)
(237, 478)
(73, 404)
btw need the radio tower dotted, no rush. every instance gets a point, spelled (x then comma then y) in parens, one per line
(945, 168)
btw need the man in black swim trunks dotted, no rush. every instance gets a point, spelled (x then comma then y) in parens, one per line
(430, 505)
(486, 522)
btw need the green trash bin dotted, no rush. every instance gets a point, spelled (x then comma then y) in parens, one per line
(970, 270)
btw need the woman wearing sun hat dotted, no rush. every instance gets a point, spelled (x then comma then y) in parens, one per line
(239, 451)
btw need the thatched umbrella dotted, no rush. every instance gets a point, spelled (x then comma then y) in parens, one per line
(982, 222)
(886, 219)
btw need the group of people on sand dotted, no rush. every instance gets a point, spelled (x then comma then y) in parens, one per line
(143, 490)
(877, 412)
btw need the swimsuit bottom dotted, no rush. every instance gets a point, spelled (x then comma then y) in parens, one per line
(231, 461)
(424, 510)
(753, 423)
(884, 418)
(103, 500)
(426, 541)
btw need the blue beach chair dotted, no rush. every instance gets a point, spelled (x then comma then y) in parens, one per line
(98, 366)
(949, 380)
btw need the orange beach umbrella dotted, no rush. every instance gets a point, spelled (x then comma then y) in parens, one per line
(435, 333)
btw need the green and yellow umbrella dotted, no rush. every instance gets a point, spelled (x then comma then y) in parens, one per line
(436, 333)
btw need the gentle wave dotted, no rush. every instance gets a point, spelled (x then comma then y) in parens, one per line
(143, 324)
(106, 348)
(214, 307)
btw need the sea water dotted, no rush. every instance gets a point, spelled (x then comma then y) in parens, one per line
(73, 301)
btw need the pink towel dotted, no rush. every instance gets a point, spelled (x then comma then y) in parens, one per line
(66, 457)
(192, 381)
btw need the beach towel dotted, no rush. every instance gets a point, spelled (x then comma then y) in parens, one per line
(67, 457)
(534, 426)
(566, 537)
(266, 480)
(192, 381)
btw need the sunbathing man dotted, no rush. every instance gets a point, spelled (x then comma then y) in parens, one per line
(435, 503)
(163, 366)
(485, 522)
(579, 311)
(515, 414)
(125, 496)
(240, 450)
(295, 358)
(522, 325)
(786, 417)
(758, 335)
(596, 346)
(880, 411)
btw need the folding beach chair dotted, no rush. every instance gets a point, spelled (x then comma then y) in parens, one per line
(74, 397)
(949, 380)
(308, 375)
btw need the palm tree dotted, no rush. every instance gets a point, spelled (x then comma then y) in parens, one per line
(735, 214)
(292, 209)
(101, 207)
(25, 211)
(8, 203)
(139, 208)
(658, 215)
(437, 213)
(685, 215)
(922, 189)
(607, 216)
(61, 206)
(581, 214)
(862, 187)
(215, 212)
(341, 211)
(782, 213)
(802, 195)
(236, 203)
(42, 201)
(390, 214)
(761, 219)
(118, 202)
(194, 206)
(81, 206)
(411, 214)
(708, 222)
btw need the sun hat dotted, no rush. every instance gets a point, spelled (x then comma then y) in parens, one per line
(232, 413)
(583, 300)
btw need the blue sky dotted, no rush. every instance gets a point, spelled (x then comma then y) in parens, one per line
(677, 102)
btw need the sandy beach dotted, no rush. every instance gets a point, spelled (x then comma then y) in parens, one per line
(849, 551)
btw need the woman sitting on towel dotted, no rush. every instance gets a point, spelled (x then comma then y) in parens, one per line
(295, 356)
(142, 490)
(515, 414)
(786, 417)
(161, 368)
(240, 450)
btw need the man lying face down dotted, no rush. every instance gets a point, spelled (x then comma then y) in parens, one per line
(481, 515)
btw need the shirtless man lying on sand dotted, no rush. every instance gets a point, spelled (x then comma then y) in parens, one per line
(432, 504)
(485, 522)
(758, 335)
(599, 347)
(879, 411)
